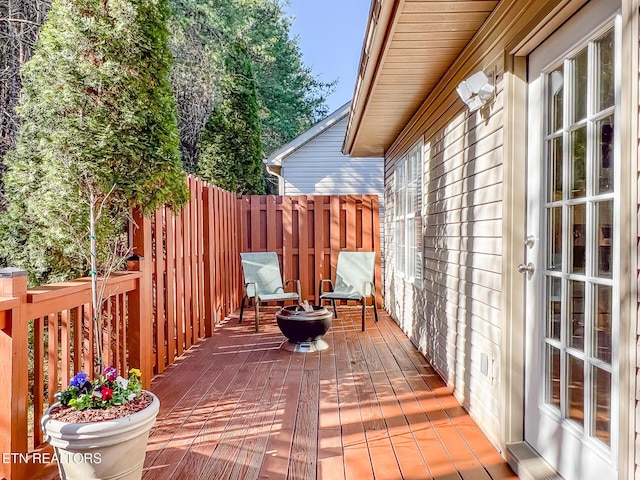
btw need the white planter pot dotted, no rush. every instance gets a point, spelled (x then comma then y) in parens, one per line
(113, 449)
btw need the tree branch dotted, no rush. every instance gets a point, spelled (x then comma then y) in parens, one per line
(19, 20)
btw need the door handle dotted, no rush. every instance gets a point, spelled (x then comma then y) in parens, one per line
(528, 268)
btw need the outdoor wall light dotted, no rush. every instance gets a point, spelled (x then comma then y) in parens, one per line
(475, 91)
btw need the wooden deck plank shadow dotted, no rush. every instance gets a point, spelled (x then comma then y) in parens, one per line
(239, 406)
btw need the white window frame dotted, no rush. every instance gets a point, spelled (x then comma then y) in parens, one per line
(407, 220)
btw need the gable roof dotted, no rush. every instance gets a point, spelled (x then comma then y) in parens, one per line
(276, 158)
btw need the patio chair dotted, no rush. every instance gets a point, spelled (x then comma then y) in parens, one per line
(263, 281)
(355, 280)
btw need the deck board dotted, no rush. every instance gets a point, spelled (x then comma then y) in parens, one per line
(238, 406)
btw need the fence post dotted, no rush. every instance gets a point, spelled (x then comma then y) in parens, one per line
(210, 313)
(140, 329)
(14, 373)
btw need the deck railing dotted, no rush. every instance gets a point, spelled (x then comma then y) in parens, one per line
(185, 276)
(47, 334)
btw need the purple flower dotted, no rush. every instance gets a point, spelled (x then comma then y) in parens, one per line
(79, 379)
(111, 373)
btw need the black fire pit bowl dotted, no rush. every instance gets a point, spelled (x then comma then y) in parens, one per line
(304, 329)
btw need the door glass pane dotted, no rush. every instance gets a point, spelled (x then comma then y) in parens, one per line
(606, 74)
(554, 261)
(555, 86)
(552, 390)
(576, 315)
(604, 154)
(575, 385)
(578, 205)
(579, 241)
(601, 423)
(579, 84)
(604, 212)
(602, 324)
(578, 166)
(555, 169)
(554, 307)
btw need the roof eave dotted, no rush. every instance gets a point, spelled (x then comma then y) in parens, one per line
(378, 33)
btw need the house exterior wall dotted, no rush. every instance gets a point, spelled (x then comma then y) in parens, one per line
(453, 316)
(461, 315)
(320, 168)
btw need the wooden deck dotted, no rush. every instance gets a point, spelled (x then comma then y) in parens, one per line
(237, 406)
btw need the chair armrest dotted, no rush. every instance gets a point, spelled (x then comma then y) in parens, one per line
(298, 289)
(250, 292)
(320, 289)
(368, 289)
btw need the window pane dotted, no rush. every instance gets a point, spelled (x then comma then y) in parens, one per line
(579, 86)
(411, 262)
(408, 209)
(555, 169)
(418, 240)
(602, 333)
(411, 247)
(601, 426)
(554, 307)
(576, 315)
(554, 261)
(606, 74)
(578, 244)
(417, 197)
(400, 246)
(575, 385)
(411, 198)
(604, 154)
(413, 176)
(604, 222)
(400, 189)
(578, 166)
(555, 84)
(552, 390)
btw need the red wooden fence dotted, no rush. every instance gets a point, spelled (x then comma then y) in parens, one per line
(308, 232)
(195, 269)
(186, 278)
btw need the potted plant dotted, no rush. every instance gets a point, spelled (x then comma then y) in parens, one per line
(99, 429)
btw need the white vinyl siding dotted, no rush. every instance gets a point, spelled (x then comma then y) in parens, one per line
(320, 168)
(464, 232)
(453, 315)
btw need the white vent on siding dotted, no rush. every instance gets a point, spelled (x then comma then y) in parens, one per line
(486, 365)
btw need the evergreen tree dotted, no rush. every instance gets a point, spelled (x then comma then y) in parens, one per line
(98, 119)
(200, 35)
(203, 33)
(230, 150)
(19, 26)
(291, 99)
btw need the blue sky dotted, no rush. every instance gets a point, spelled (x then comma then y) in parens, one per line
(331, 33)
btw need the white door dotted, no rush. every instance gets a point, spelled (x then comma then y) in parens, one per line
(572, 250)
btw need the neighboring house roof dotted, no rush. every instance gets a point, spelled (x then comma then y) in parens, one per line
(411, 47)
(276, 158)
